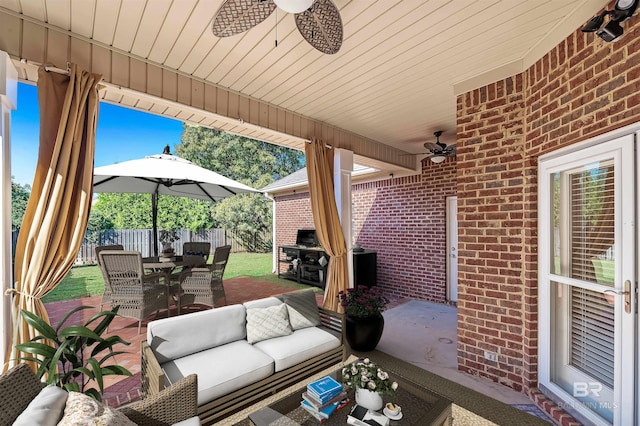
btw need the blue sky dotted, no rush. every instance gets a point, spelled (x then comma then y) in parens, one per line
(123, 134)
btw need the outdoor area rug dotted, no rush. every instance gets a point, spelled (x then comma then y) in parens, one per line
(469, 408)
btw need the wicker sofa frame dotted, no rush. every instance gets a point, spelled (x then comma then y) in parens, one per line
(213, 411)
(19, 386)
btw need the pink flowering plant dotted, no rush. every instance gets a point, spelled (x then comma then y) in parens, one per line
(362, 302)
(365, 374)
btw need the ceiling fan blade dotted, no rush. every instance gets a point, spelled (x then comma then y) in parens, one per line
(431, 146)
(237, 16)
(451, 149)
(321, 26)
(428, 154)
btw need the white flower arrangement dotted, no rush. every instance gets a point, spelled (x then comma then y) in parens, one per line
(367, 375)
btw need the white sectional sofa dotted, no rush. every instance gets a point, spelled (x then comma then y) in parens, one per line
(242, 353)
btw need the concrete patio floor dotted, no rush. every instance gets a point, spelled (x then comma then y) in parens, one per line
(421, 333)
(424, 334)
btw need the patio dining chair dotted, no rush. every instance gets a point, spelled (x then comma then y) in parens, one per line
(194, 254)
(138, 294)
(203, 285)
(106, 294)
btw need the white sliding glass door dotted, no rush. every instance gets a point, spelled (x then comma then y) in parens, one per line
(587, 279)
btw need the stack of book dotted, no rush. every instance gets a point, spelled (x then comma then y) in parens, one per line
(323, 397)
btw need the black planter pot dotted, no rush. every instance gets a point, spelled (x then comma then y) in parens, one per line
(363, 334)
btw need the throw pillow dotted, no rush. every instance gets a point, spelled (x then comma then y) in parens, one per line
(81, 409)
(45, 409)
(267, 323)
(302, 308)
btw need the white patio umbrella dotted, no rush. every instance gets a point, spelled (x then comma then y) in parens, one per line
(165, 174)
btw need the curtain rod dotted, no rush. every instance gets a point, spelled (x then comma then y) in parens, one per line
(48, 68)
(326, 144)
(59, 70)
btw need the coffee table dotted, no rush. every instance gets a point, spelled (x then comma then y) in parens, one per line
(420, 406)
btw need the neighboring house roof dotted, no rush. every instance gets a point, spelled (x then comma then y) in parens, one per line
(299, 179)
(295, 178)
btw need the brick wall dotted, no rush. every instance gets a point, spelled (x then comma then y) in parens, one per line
(403, 219)
(582, 88)
(492, 183)
(293, 212)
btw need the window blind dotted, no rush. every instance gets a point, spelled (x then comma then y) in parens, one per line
(592, 335)
(592, 224)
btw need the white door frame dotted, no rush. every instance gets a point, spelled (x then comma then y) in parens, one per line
(452, 248)
(620, 145)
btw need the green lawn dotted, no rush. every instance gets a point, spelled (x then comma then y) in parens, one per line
(86, 281)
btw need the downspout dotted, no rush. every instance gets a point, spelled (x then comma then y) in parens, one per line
(274, 247)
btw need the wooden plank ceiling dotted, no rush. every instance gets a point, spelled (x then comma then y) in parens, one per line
(393, 80)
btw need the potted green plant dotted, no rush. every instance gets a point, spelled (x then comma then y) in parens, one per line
(364, 323)
(167, 238)
(74, 356)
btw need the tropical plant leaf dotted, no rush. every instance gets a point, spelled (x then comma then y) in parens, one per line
(72, 387)
(83, 370)
(97, 372)
(36, 348)
(115, 370)
(39, 324)
(79, 330)
(93, 394)
(60, 353)
(111, 354)
(106, 321)
(108, 343)
(71, 312)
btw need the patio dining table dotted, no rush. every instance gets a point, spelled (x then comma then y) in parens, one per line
(165, 267)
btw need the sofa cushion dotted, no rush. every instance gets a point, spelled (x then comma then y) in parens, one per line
(81, 409)
(262, 303)
(176, 337)
(222, 369)
(300, 346)
(302, 308)
(267, 323)
(45, 409)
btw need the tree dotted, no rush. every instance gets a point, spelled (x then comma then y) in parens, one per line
(97, 222)
(19, 199)
(250, 216)
(254, 163)
(245, 160)
(173, 212)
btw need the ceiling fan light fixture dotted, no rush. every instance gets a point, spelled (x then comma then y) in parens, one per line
(438, 158)
(293, 6)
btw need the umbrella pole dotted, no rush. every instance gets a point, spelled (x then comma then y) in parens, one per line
(154, 219)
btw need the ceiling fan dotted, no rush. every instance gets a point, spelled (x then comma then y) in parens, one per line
(439, 151)
(318, 21)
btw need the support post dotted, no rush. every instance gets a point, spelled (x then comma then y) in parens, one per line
(342, 168)
(8, 102)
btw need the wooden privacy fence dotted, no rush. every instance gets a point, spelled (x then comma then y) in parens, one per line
(141, 240)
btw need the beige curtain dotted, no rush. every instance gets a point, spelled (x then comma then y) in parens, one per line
(327, 221)
(58, 210)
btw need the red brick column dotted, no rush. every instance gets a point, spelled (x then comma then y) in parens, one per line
(494, 307)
